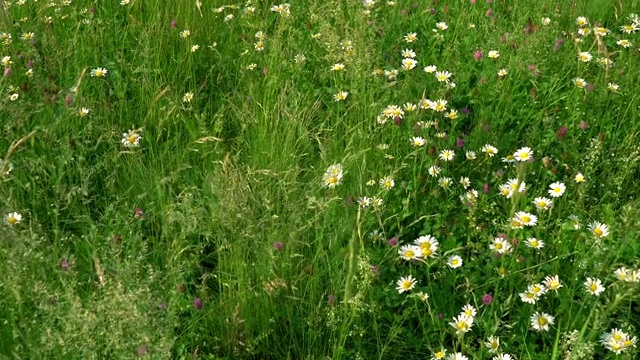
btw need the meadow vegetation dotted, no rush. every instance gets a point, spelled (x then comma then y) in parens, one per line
(437, 179)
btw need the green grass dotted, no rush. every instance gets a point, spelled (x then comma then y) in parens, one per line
(217, 238)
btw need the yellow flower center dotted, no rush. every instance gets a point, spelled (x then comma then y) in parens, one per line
(542, 321)
(12, 220)
(525, 219)
(332, 180)
(426, 250)
(406, 284)
(593, 287)
(409, 253)
(454, 262)
(542, 204)
(498, 246)
(132, 138)
(534, 243)
(598, 231)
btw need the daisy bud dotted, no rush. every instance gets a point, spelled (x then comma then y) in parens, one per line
(197, 303)
(477, 55)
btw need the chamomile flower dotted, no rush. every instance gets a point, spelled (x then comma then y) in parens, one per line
(552, 283)
(424, 297)
(584, 56)
(98, 72)
(409, 107)
(503, 357)
(541, 321)
(454, 261)
(545, 21)
(457, 356)
(523, 154)
(443, 76)
(377, 202)
(556, 189)
(598, 229)
(542, 203)
(617, 341)
(622, 274)
(470, 155)
(500, 245)
(465, 182)
(469, 310)
(629, 29)
(364, 201)
(187, 97)
(579, 82)
(6, 61)
(594, 286)
(387, 182)
(493, 344)
(185, 34)
(13, 218)
(601, 31)
(340, 96)
(502, 72)
(442, 26)
(447, 155)
(333, 176)
(410, 37)
(408, 53)
(624, 43)
(491, 151)
(452, 114)
(406, 283)
(526, 219)
(579, 178)
(613, 87)
(337, 67)
(516, 185)
(439, 355)
(410, 252)
(462, 323)
(575, 221)
(439, 105)
(430, 69)
(582, 21)
(535, 243)
(528, 297)
(131, 138)
(418, 141)
(493, 54)
(195, 48)
(408, 64)
(433, 170)
(83, 112)
(428, 245)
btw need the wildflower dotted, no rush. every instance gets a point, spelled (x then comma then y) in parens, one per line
(489, 150)
(131, 138)
(599, 230)
(14, 96)
(337, 67)
(462, 324)
(447, 155)
(457, 356)
(252, 66)
(552, 282)
(579, 178)
(6, 61)
(410, 252)
(430, 69)
(526, 219)
(617, 341)
(333, 176)
(406, 283)
(409, 107)
(493, 54)
(503, 357)
(628, 29)
(444, 182)
(493, 343)
(195, 48)
(582, 21)
(364, 201)
(299, 58)
(13, 218)
(601, 31)
(622, 274)
(540, 322)
(411, 37)
(99, 72)
(376, 202)
(440, 105)
(584, 56)
(624, 43)
(125, 2)
(442, 26)
(452, 114)
(528, 297)
(579, 82)
(442, 76)
(187, 97)
(542, 203)
(428, 245)
(545, 21)
(408, 53)
(523, 154)
(500, 245)
(376, 236)
(433, 170)
(470, 155)
(556, 189)
(583, 32)
(535, 243)
(594, 286)
(5, 167)
(408, 64)
(340, 96)
(387, 182)
(575, 221)
(469, 310)
(613, 87)
(502, 72)
(259, 45)
(422, 296)
(197, 303)
(487, 299)
(454, 261)
(83, 112)
(465, 182)
(439, 355)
